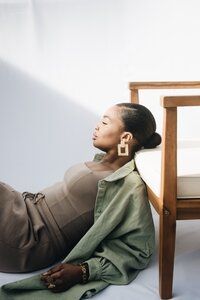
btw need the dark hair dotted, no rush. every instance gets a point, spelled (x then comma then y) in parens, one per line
(140, 122)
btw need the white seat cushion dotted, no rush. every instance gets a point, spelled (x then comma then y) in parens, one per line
(148, 162)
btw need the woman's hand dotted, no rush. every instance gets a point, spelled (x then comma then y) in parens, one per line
(62, 277)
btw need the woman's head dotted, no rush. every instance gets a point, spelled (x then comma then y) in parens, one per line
(132, 123)
(138, 120)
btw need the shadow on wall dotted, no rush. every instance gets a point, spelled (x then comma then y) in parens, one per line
(42, 132)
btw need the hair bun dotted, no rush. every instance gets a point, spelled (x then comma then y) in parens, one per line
(153, 141)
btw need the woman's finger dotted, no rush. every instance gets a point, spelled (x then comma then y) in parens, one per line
(45, 283)
(59, 288)
(58, 282)
(57, 275)
(52, 270)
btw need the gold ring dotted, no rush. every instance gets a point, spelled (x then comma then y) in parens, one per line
(51, 286)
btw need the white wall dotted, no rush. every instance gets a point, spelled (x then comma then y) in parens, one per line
(63, 62)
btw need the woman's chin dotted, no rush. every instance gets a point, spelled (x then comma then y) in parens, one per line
(95, 143)
(96, 146)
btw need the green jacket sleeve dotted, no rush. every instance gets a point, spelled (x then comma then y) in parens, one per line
(122, 267)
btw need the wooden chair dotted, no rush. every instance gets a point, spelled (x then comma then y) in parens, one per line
(167, 205)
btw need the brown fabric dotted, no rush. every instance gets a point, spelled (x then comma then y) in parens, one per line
(24, 239)
(36, 230)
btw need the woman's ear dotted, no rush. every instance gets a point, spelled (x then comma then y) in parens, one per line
(127, 136)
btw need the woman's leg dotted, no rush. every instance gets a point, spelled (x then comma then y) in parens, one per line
(24, 242)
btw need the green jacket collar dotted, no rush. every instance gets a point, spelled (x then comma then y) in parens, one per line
(121, 172)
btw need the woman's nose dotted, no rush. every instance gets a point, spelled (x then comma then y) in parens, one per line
(97, 126)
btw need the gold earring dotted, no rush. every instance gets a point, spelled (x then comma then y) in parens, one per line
(122, 149)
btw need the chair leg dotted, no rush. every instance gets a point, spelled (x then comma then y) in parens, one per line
(166, 254)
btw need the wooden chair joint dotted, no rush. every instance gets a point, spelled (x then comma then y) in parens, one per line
(166, 211)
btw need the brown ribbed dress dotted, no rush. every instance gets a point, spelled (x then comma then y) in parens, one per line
(36, 230)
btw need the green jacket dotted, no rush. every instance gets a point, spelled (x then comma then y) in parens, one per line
(118, 245)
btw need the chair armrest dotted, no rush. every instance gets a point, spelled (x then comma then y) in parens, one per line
(175, 101)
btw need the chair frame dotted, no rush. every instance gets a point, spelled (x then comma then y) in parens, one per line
(167, 205)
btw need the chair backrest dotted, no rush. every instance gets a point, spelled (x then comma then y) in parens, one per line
(136, 86)
(169, 138)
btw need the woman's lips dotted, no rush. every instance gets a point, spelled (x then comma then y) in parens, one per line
(94, 137)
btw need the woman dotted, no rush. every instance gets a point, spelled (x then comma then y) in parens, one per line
(99, 216)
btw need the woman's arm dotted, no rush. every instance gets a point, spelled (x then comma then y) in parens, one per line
(116, 261)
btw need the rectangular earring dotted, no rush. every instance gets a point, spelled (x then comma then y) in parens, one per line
(122, 149)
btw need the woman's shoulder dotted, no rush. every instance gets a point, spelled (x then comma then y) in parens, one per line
(134, 179)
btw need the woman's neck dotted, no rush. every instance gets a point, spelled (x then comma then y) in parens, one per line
(114, 161)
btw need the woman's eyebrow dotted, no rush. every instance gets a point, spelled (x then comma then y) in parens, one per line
(106, 117)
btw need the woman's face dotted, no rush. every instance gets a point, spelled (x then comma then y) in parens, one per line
(109, 130)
